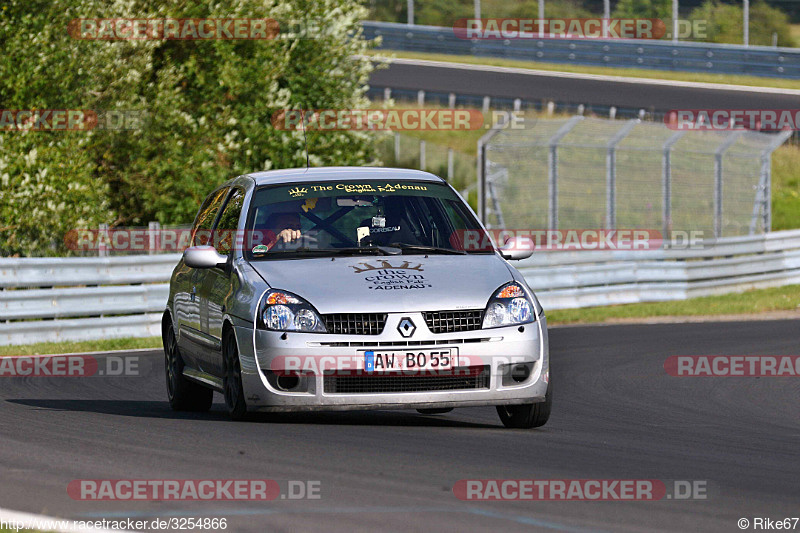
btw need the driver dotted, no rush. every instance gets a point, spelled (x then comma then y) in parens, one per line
(282, 227)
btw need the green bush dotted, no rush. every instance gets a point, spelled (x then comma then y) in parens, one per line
(654, 9)
(725, 23)
(208, 106)
(446, 12)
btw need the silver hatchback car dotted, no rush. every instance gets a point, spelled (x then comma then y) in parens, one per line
(352, 288)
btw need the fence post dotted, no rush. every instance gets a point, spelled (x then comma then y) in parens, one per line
(153, 237)
(387, 94)
(666, 182)
(727, 143)
(449, 164)
(420, 98)
(422, 155)
(611, 173)
(552, 170)
(451, 100)
(102, 239)
(763, 198)
(396, 148)
(482, 164)
(486, 101)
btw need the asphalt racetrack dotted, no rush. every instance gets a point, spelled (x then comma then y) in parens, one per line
(616, 415)
(536, 86)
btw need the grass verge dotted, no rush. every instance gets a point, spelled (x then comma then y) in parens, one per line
(751, 302)
(43, 348)
(730, 79)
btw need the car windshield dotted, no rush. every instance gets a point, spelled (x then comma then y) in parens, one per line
(360, 217)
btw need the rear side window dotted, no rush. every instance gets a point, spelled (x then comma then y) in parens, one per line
(201, 232)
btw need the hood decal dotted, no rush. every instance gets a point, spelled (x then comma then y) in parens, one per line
(385, 276)
(391, 284)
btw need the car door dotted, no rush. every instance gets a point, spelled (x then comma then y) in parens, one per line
(220, 283)
(188, 280)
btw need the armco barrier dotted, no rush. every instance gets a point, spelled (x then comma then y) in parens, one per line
(113, 297)
(72, 299)
(649, 54)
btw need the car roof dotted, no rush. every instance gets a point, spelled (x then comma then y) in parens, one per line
(292, 175)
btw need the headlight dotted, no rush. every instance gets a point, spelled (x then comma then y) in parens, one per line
(508, 307)
(283, 311)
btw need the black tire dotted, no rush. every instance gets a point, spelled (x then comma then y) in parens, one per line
(232, 382)
(183, 395)
(529, 415)
(435, 411)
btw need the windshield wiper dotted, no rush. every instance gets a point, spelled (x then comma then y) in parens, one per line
(425, 249)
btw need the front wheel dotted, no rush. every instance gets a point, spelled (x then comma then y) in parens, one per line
(232, 383)
(529, 415)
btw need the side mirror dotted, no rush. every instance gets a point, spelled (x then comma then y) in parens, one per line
(204, 257)
(517, 248)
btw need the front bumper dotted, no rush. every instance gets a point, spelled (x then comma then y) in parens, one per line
(495, 349)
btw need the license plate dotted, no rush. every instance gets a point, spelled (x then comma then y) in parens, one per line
(382, 361)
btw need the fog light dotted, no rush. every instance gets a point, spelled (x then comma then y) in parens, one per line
(287, 381)
(520, 373)
(516, 373)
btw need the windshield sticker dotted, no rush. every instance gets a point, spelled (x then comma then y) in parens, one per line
(310, 204)
(385, 230)
(358, 188)
(298, 192)
(260, 249)
(387, 277)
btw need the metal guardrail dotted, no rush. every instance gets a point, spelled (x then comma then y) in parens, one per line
(682, 56)
(113, 297)
(564, 280)
(73, 299)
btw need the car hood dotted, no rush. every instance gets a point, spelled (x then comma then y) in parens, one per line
(407, 283)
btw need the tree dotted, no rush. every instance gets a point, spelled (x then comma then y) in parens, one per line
(725, 23)
(651, 9)
(208, 106)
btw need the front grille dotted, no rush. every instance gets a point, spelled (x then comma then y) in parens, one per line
(355, 323)
(453, 321)
(466, 378)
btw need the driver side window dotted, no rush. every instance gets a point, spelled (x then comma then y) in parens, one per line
(201, 231)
